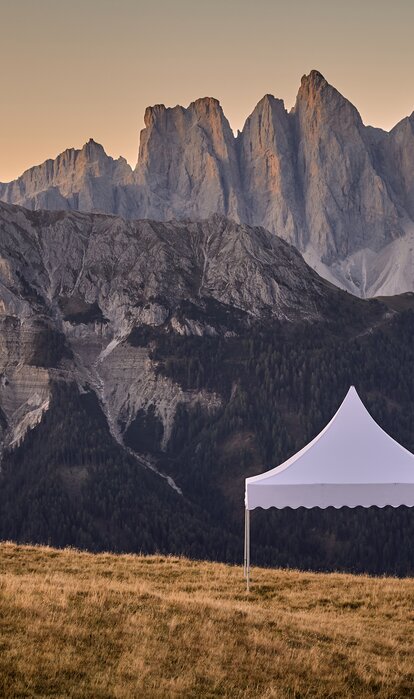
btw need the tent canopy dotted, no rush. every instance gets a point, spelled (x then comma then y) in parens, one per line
(351, 463)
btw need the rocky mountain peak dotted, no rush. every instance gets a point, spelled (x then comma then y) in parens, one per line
(348, 207)
(93, 149)
(314, 90)
(163, 117)
(270, 103)
(267, 165)
(207, 105)
(314, 81)
(81, 179)
(321, 102)
(187, 163)
(92, 158)
(159, 115)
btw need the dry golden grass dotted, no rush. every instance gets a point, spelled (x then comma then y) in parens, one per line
(74, 624)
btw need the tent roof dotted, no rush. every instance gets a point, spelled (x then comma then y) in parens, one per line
(351, 462)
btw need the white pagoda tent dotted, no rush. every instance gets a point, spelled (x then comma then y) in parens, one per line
(351, 463)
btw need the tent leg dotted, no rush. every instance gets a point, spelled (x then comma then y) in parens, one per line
(245, 545)
(248, 550)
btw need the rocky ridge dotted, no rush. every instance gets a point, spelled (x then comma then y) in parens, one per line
(80, 294)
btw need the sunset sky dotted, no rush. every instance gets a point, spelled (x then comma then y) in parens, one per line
(72, 69)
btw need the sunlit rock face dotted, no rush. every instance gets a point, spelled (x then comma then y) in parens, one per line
(269, 171)
(347, 203)
(341, 192)
(187, 164)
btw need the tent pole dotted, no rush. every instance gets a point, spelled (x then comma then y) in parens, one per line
(245, 545)
(248, 550)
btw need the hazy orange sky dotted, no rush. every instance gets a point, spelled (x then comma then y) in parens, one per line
(72, 69)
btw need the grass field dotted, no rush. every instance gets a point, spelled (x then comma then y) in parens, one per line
(74, 624)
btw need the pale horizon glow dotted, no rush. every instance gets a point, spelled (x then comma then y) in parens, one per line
(75, 70)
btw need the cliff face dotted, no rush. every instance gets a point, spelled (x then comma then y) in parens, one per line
(341, 192)
(268, 167)
(187, 163)
(397, 153)
(347, 203)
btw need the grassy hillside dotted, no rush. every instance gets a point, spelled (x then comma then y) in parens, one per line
(81, 625)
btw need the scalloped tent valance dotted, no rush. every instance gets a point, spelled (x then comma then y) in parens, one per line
(351, 463)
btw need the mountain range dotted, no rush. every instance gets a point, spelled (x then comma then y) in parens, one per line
(341, 192)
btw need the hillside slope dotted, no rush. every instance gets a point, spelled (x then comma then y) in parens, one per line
(147, 368)
(88, 626)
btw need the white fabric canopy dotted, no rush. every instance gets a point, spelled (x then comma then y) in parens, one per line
(351, 463)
